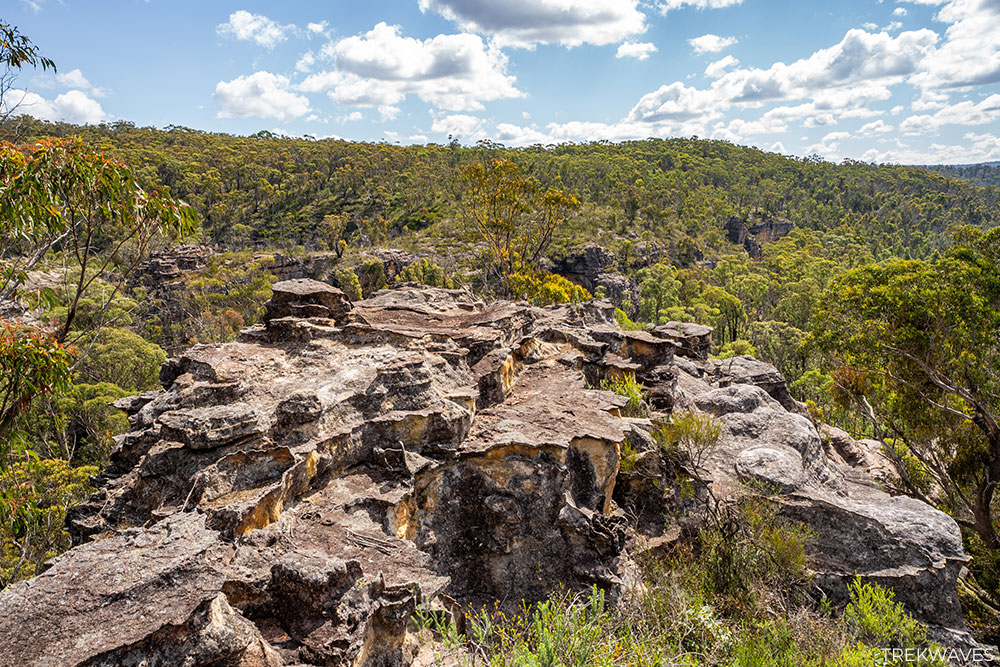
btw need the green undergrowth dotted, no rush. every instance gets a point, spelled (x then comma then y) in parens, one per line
(627, 386)
(736, 595)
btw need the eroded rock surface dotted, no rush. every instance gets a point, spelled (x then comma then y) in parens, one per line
(859, 529)
(292, 497)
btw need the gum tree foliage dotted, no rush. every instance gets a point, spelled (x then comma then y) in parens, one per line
(513, 213)
(920, 346)
(87, 210)
(16, 52)
(87, 219)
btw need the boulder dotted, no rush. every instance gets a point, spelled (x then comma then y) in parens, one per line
(304, 297)
(858, 530)
(866, 456)
(753, 234)
(693, 340)
(747, 370)
(208, 427)
(393, 261)
(584, 265)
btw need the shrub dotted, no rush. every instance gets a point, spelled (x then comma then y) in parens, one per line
(79, 424)
(426, 272)
(627, 457)
(34, 496)
(371, 275)
(622, 318)
(348, 281)
(545, 289)
(626, 385)
(748, 554)
(876, 619)
(737, 348)
(691, 434)
(123, 358)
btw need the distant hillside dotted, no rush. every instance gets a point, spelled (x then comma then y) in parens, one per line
(267, 190)
(986, 173)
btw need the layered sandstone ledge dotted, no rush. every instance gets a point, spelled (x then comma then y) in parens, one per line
(292, 497)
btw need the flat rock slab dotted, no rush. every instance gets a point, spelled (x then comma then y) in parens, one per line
(110, 594)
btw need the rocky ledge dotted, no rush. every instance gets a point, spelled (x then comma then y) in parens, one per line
(291, 498)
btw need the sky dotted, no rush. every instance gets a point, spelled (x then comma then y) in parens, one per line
(902, 81)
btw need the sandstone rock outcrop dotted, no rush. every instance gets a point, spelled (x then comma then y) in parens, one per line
(753, 234)
(291, 498)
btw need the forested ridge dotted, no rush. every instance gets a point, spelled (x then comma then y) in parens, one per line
(977, 174)
(271, 190)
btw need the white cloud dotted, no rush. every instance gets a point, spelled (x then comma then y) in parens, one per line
(842, 81)
(834, 137)
(719, 67)
(257, 28)
(262, 95)
(388, 112)
(961, 113)
(317, 28)
(74, 79)
(860, 57)
(970, 54)
(899, 11)
(674, 102)
(875, 127)
(458, 125)
(666, 5)
(979, 148)
(820, 120)
(305, 62)
(637, 50)
(740, 130)
(828, 151)
(778, 147)
(419, 138)
(381, 67)
(352, 117)
(623, 130)
(76, 107)
(71, 107)
(983, 147)
(527, 22)
(710, 43)
(516, 135)
(930, 100)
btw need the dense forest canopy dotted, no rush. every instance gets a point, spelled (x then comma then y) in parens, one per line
(987, 173)
(270, 190)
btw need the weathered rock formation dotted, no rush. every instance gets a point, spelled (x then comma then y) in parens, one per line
(315, 265)
(594, 267)
(169, 264)
(753, 234)
(292, 497)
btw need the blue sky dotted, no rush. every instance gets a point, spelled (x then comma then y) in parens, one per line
(910, 81)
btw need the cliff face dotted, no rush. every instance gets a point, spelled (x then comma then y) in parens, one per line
(751, 235)
(292, 497)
